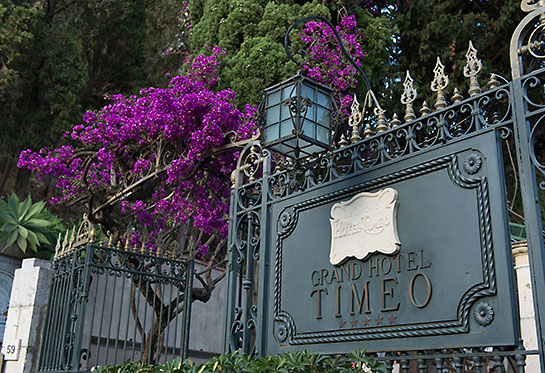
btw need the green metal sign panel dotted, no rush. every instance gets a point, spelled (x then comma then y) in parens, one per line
(448, 283)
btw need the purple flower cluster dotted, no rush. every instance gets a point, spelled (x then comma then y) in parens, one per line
(175, 128)
(186, 119)
(329, 66)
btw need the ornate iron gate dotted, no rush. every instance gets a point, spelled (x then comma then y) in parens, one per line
(111, 304)
(463, 140)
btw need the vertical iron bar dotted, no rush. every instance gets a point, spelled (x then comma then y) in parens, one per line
(169, 313)
(247, 284)
(188, 295)
(64, 358)
(95, 303)
(128, 282)
(82, 297)
(177, 316)
(162, 301)
(230, 274)
(47, 346)
(498, 364)
(137, 296)
(113, 298)
(105, 290)
(263, 273)
(405, 365)
(527, 177)
(153, 314)
(144, 319)
(59, 338)
(532, 213)
(120, 311)
(478, 362)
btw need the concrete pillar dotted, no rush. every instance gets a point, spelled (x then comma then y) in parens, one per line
(26, 315)
(526, 303)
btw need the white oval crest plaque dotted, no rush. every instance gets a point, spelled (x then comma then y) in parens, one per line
(364, 225)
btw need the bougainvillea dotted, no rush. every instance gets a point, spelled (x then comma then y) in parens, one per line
(327, 64)
(150, 163)
(166, 133)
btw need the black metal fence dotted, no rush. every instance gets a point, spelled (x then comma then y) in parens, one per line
(109, 305)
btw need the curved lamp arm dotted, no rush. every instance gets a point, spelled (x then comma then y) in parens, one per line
(286, 42)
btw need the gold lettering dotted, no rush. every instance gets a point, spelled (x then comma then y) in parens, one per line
(354, 266)
(384, 293)
(422, 260)
(319, 301)
(346, 270)
(338, 301)
(325, 273)
(410, 260)
(428, 290)
(398, 263)
(387, 260)
(371, 266)
(360, 301)
(335, 275)
(317, 282)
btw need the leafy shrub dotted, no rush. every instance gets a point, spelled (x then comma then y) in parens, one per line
(28, 225)
(300, 361)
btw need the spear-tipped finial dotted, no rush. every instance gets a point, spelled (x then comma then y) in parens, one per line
(471, 69)
(355, 120)
(439, 83)
(408, 96)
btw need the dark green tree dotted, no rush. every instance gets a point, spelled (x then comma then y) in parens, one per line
(59, 58)
(252, 34)
(444, 28)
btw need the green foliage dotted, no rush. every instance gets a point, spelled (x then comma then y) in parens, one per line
(28, 225)
(15, 35)
(252, 34)
(444, 28)
(300, 361)
(58, 58)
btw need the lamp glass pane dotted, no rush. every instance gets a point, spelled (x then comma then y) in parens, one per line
(288, 91)
(309, 128)
(286, 128)
(323, 117)
(274, 98)
(311, 112)
(323, 99)
(309, 92)
(323, 134)
(271, 133)
(285, 112)
(273, 114)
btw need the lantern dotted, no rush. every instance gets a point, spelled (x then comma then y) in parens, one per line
(298, 117)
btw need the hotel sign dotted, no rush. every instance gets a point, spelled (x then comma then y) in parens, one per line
(410, 256)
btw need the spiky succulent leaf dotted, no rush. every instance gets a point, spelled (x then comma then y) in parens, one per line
(22, 243)
(23, 232)
(12, 237)
(37, 223)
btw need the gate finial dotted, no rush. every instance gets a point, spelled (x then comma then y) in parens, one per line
(471, 69)
(439, 83)
(408, 96)
(355, 120)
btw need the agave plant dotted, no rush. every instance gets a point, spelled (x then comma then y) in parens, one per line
(27, 224)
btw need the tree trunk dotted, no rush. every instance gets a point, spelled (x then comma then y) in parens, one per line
(21, 183)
